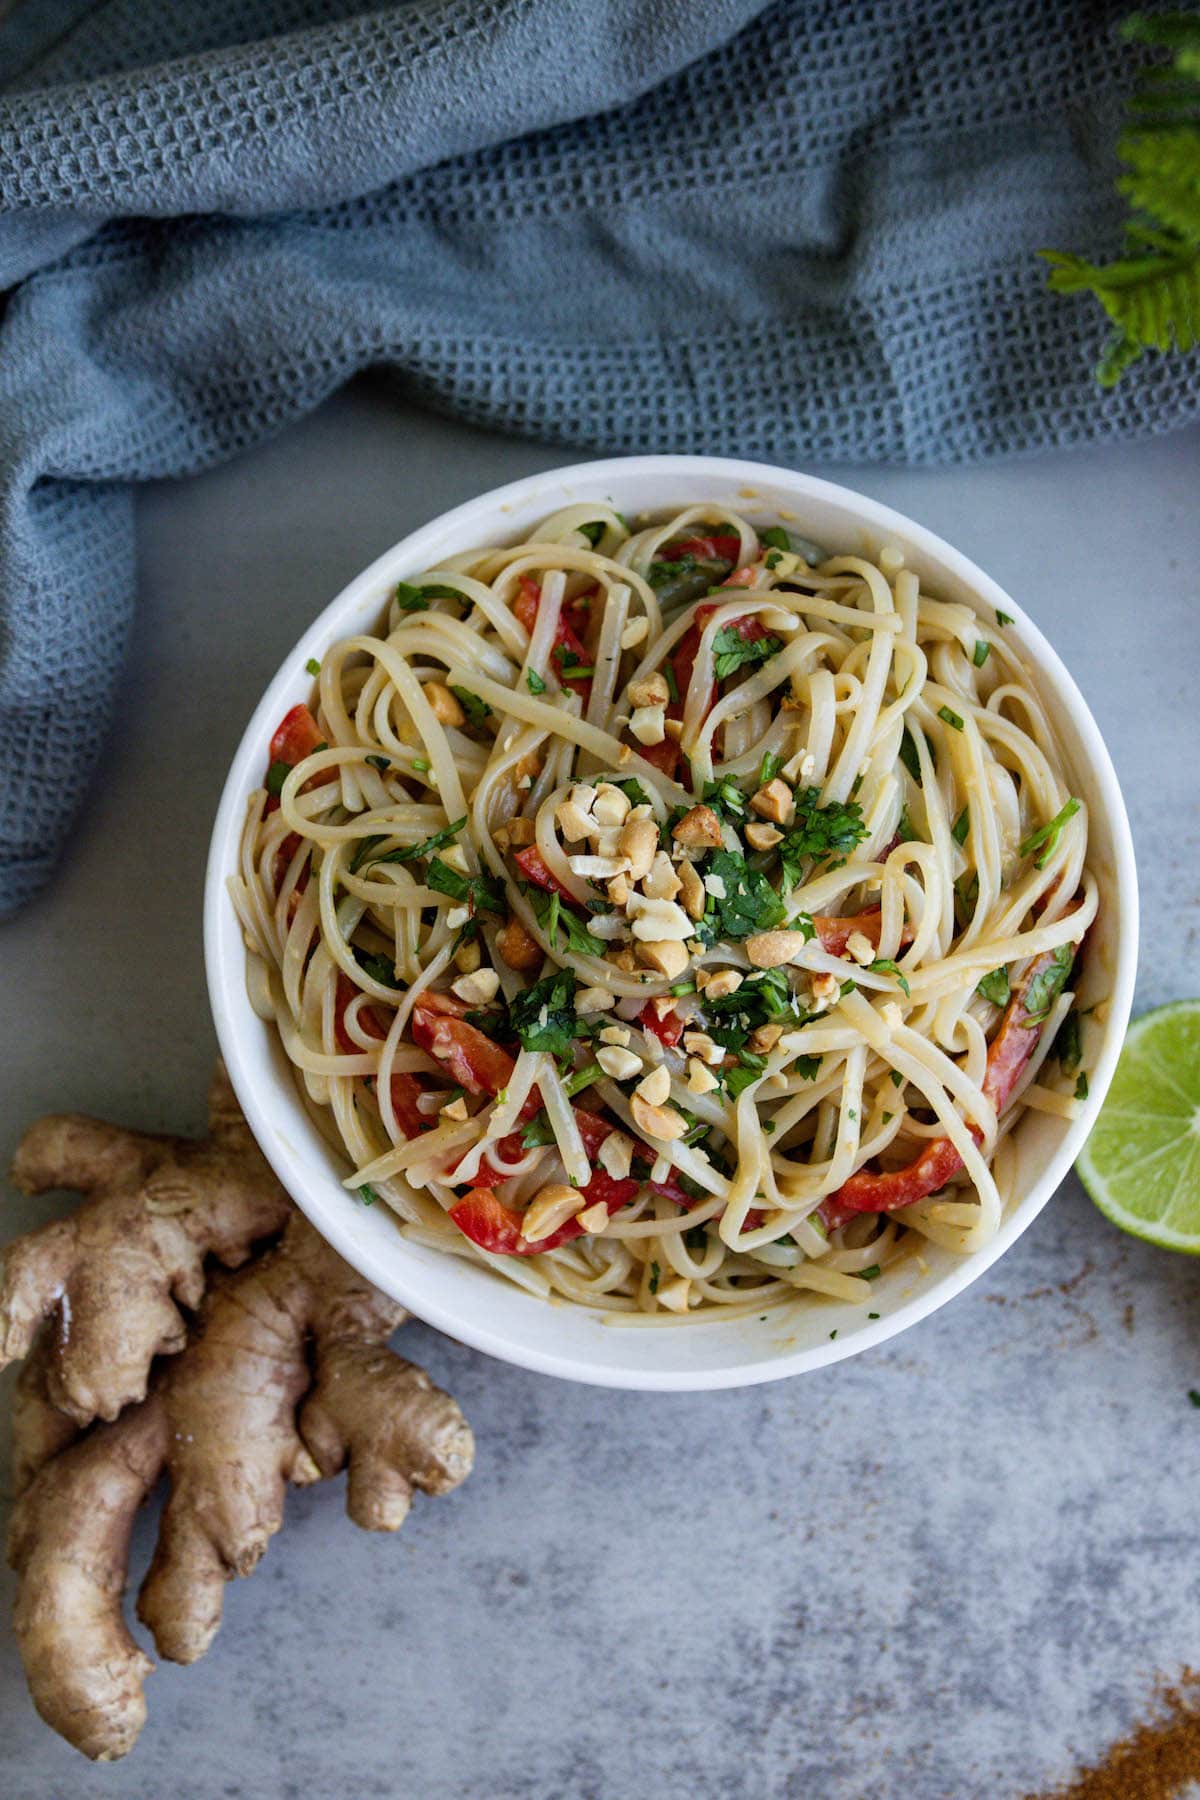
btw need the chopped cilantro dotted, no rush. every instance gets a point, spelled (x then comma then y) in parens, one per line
(1045, 987)
(806, 1067)
(379, 762)
(749, 904)
(731, 651)
(534, 682)
(775, 538)
(958, 831)
(833, 1334)
(1194, 1396)
(772, 559)
(669, 677)
(410, 852)
(738, 1079)
(544, 1016)
(538, 1131)
(1068, 1044)
(897, 1078)
(313, 666)
(872, 1315)
(1003, 618)
(769, 768)
(982, 650)
(634, 792)
(277, 774)
(480, 892)
(950, 718)
(655, 1273)
(885, 965)
(908, 754)
(1081, 1086)
(420, 765)
(593, 531)
(366, 1193)
(379, 968)
(1048, 834)
(871, 1273)
(477, 710)
(581, 1078)
(905, 828)
(695, 1240)
(552, 913)
(995, 987)
(725, 797)
(820, 833)
(416, 599)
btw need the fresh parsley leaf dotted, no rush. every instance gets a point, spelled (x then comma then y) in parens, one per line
(749, 904)
(950, 718)
(884, 965)
(476, 709)
(277, 774)
(995, 987)
(1048, 834)
(982, 651)
(552, 913)
(544, 1016)
(534, 682)
(731, 651)
(819, 833)
(1047, 984)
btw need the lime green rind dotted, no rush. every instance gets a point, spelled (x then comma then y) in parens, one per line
(1141, 1164)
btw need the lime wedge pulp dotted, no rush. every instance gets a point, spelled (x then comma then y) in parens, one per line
(1141, 1165)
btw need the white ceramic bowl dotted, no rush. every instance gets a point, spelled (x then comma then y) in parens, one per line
(470, 1302)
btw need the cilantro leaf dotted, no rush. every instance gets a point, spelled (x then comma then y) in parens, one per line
(819, 832)
(806, 1067)
(1048, 834)
(379, 968)
(544, 1016)
(749, 903)
(958, 831)
(995, 987)
(731, 651)
(775, 538)
(725, 797)
(1068, 1043)
(908, 755)
(534, 682)
(552, 913)
(477, 710)
(1047, 984)
(480, 892)
(416, 599)
(410, 852)
(885, 965)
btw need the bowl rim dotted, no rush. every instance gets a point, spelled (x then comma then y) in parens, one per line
(337, 1226)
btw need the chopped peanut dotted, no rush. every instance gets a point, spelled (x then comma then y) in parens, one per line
(619, 1063)
(455, 857)
(655, 919)
(611, 805)
(761, 836)
(456, 1110)
(691, 891)
(725, 981)
(616, 1034)
(775, 802)
(661, 1122)
(639, 844)
(573, 822)
(594, 1219)
(623, 959)
(673, 728)
(826, 988)
(582, 796)
(618, 890)
(550, 1208)
(661, 1005)
(517, 947)
(648, 724)
(667, 955)
(477, 988)
(662, 883)
(764, 1038)
(698, 1043)
(518, 834)
(860, 947)
(655, 1088)
(596, 868)
(700, 825)
(442, 704)
(634, 632)
(594, 1000)
(701, 1080)
(674, 1294)
(651, 690)
(615, 1155)
(468, 956)
(772, 949)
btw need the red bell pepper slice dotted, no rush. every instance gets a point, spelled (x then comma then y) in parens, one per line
(296, 736)
(475, 1062)
(705, 549)
(533, 866)
(1008, 1052)
(525, 610)
(668, 1028)
(834, 933)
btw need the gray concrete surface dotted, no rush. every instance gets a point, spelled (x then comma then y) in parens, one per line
(941, 1571)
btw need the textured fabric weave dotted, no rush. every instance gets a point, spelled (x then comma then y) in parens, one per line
(803, 231)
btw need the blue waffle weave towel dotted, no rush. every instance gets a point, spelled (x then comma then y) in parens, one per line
(803, 231)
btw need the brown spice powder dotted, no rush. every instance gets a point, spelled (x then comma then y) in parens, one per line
(1157, 1761)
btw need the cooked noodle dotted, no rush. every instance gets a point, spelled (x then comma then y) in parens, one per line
(623, 907)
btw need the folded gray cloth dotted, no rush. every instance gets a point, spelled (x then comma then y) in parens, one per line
(799, 231)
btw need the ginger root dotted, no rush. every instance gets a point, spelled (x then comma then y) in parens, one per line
(285, 1376)
(114, 1275)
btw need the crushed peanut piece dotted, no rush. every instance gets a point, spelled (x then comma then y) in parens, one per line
(667, 955)
(611, 805)
(701, 1079)
(456, 1110)
(550, 1209)
(764, 1038)
(639, 845)
(478, 987)
(517, 947)
(573, 822)
(651, 690)
(468, 956)
(674, 1294)
(594, 1000)
(698, 1043)
(594, 1219)
(615, 1155)
(700, 825)
(661, 1122)
(761, 836)
(662, 883)
(648, 724)
(775, 802)
(655, 1088)
(772, 949)
(861, 948)
(442, 704)
(656, 919)
(615, 1034)
(691, 891)
(725, 981)
(634, 633)
(620, 1064)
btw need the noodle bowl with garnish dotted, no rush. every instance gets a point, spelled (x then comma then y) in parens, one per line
(673, 915)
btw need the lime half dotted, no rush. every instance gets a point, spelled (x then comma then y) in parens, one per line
(1141, 1164)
